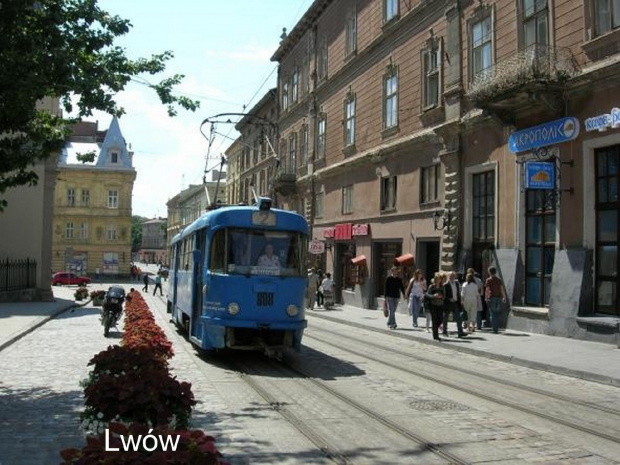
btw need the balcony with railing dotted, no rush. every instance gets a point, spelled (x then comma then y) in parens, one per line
(285, 182)
(532, 79)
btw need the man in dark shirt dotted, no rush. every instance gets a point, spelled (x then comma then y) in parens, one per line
(393, 289)
(495, 295)
(452, 303)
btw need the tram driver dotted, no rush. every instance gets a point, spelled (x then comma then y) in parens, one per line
(268, 259)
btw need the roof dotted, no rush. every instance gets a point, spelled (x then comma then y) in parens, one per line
(293, 37)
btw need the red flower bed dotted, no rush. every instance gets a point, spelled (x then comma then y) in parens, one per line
(149, 396)
(192, 447)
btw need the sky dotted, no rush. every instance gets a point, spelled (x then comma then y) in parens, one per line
(223, 48)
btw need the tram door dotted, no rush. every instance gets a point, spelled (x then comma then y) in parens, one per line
(199, 258)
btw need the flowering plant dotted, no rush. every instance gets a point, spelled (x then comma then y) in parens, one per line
(149, 395)
(191, 446)
(100, 294)
(80, 293)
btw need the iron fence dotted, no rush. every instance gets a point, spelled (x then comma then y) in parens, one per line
(17, 274)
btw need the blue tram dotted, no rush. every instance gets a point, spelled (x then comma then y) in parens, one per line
(238, 278)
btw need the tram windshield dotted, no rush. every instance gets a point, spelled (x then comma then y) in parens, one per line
(258, 252)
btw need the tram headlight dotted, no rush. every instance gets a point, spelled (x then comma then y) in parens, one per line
(292, 310)
(233, 308)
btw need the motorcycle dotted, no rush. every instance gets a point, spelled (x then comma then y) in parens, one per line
(112, 308)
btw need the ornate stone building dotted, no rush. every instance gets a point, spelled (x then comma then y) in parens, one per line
(419, 119)
(92, 207)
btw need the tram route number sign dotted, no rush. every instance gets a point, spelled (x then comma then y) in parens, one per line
(316, 247)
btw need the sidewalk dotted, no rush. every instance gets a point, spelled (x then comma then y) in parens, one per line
(20, 318)
(588, 360)
(581, 359)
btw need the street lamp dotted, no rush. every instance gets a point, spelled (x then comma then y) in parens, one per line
(441, 219)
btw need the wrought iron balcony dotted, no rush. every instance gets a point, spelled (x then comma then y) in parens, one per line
(285, 182)
(532, 77)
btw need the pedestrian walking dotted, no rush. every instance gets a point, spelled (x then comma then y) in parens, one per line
(434, 297)
(327, 288)
(145, 280)
(393, 289)
(481, 308)
(452, 304)
(472, 303)
(415, 295)
(158, 285)
(319, 292)
(312, 288)
(495, 295)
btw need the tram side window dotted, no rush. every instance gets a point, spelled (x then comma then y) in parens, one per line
(218, 252)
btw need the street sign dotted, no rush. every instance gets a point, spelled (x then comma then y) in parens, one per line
(539, 175)
(553, 132)
(316, 247)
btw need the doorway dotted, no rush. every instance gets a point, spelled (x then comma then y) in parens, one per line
(427, 257)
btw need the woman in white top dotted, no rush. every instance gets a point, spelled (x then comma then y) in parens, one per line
(415, 293)
(470, 298)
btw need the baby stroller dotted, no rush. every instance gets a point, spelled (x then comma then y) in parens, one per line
(328, 301)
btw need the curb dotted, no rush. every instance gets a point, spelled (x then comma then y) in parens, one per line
(38, 324)
(601, 379)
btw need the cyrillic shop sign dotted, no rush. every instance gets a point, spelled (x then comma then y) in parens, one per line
(553, 132)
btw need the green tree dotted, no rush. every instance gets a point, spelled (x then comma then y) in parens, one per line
(136, 232)
(62, 49)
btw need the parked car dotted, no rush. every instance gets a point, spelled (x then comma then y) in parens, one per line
(64, 278)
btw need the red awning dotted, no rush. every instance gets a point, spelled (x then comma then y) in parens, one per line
(404, 259)
(359, 260)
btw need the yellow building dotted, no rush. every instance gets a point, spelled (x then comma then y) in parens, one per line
(92, 203)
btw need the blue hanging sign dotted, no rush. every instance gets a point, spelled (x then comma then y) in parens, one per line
(553, 132)
(539, 175)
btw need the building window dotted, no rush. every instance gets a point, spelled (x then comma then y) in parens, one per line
(347, 199)
(481, 45)
(320, 136)
(349, 120)
(283, 155)
(606, 15)
(70, 197)
(322, 60)
(431, 59)
(484, 207)
(535, 22)
(388, 193)
(304, 79)
(390, 10)
(292, 153)
(429, 184)
(85, 197)
(112, 199)
(303, 146)
(114, 157)
(318, 205)
(111, 232)
(110, 263)
(607, 208)
(390, 98)
(285, 96)
(255, 150)
(84, 231)
(294, 86)
(540, 246)
(350, 34)
(69, 230)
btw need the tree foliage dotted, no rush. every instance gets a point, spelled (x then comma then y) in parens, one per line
(62, 49)
(136, 232)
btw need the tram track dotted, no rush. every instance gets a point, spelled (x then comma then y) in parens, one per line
(331, 451)
(497, 399)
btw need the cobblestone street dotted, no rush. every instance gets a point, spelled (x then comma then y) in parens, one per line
(40, 396)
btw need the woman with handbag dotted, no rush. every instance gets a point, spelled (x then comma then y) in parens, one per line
(435, 296)
(415, 293)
